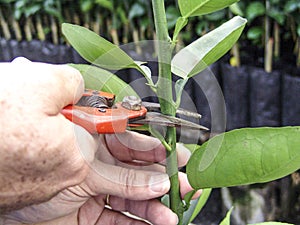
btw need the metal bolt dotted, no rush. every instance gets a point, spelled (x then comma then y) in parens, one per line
(132, 103)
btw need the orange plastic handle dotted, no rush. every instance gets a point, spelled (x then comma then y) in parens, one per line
(113, 120)
(89, 92)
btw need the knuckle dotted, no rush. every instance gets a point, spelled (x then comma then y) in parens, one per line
(132, 183)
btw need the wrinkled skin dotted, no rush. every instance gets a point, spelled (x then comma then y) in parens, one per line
(54, 172)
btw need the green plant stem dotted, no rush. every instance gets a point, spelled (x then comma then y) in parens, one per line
(165, 95)
(176, 203)
(164, 84)
(268, 57)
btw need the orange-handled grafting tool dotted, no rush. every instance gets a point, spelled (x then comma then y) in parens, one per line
(97, 112)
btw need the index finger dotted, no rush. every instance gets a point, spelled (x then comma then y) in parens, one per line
(65, 86)
(131, 146)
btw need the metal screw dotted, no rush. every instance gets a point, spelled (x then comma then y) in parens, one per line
(132, 103)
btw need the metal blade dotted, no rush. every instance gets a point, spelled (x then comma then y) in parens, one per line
(155, 107)
(154, 118)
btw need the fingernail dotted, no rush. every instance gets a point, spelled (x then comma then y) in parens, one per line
(21, 60)
(177, 219)
(174, 219)
(160, 183)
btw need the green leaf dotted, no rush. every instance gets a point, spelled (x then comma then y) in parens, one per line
(236, 9)
(245, 156)
(291, 6)
(194, 58)
(254, 33)
(136, 11)
(96, 49)
(180, 23)
(17, 14)
(187, 214)
(179, 86)
(201, 27)
(172, 15)
(200, 203)
(86, 6)
(190, 8)
(31, 10)
(106, 4)
(99, 79)
(122, 14)
(99, 51)
(255, 9)
(165, 200)
(226, 220)
(276, 15)
(53, 8)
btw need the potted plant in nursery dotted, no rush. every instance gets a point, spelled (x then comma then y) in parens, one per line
(276, 104)
(235, 83)
(259, 97)
(258, 89)
(291, 80)
(238, 157)
(265, 83)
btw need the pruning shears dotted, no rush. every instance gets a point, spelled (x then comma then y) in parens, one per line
(98, 112)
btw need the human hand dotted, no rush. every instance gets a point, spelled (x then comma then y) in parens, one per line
(44, 153)
(133, 188)
(40, 154)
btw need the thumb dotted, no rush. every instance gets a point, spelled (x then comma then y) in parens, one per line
(126, 183)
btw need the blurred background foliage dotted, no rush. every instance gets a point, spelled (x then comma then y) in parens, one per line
(273, 29)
